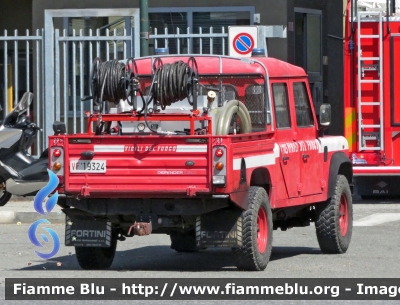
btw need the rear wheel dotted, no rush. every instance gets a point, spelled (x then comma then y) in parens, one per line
(256, 233)
(334, 219)
(96, 258)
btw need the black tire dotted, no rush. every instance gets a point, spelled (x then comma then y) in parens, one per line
(334, 219)
(96, 258)
(4, 195)
(256, 233)
(184, 242)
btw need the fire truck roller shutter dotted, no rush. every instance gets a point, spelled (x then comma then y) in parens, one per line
(227, 113)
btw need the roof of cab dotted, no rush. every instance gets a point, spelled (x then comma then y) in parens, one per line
(214, 64)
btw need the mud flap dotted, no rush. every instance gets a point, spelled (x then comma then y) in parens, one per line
(83, 232)
(222, 228)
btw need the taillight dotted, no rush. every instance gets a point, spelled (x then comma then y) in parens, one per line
(56, 162)
(57, 153)
(57, 166)
(219, 152)
(219, 166)
(220, 171)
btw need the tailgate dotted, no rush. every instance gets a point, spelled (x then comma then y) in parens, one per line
(137, 165)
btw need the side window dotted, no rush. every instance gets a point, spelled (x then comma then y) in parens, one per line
(281, 104)
(302, 103)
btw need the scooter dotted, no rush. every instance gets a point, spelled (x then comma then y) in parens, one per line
(20, 173)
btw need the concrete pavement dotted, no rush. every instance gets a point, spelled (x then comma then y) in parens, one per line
(19, 210)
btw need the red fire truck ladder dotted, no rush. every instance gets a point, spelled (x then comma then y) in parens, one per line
(369, 132)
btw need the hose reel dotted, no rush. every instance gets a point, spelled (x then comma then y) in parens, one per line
(113, 81)
(231, 108)
(174, 82)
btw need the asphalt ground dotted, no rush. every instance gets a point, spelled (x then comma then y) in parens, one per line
(373, 253)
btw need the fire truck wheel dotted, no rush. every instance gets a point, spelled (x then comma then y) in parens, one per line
(184, 242)
(96, 258)
(334, 219)
(256, 233)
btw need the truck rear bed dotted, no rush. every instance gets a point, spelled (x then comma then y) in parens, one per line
(135, 165)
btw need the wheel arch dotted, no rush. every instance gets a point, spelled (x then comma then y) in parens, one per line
(340, 165)
(261, 177)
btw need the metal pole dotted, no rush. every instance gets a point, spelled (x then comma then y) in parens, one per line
(144, 28)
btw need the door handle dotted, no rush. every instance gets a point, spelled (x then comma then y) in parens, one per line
(285, 158)
(306, 156)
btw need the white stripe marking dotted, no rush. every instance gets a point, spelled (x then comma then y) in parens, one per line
(108, 148)
(376, 219)
(333, 143)
(255, 161)
(277, 151)
(260, 160)
(179, 148)
(191, 148)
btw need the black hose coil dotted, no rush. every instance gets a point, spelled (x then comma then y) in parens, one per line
(170, 83)
(110, 81)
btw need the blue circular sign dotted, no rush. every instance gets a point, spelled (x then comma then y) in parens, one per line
(243, 43)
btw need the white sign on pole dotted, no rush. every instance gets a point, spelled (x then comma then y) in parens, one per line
(242, 40)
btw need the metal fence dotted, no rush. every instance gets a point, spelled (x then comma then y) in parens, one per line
(22, 70)
(73, 62)
(25, 67)
(201, 43)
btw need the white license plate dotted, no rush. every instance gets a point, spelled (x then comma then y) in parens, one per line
(87, 166)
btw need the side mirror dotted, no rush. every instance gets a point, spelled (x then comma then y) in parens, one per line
(325, 115)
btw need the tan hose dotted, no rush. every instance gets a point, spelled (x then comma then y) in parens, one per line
(227, 112)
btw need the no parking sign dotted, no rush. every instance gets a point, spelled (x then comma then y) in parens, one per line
(242, 40)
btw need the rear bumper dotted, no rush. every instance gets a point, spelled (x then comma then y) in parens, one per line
(149, 206)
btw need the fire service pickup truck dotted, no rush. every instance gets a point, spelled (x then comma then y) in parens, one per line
(214, 151)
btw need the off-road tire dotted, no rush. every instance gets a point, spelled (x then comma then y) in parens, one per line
(334, 219)
(96, 258)
(256, 233)
(184, 242)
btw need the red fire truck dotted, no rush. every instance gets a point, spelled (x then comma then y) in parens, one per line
(214, 151)
(372, 110)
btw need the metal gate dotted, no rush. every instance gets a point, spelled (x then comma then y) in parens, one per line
(73, 61)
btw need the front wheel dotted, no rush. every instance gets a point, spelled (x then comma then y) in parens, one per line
(96, 258)
(256, 247)
(334, 219)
